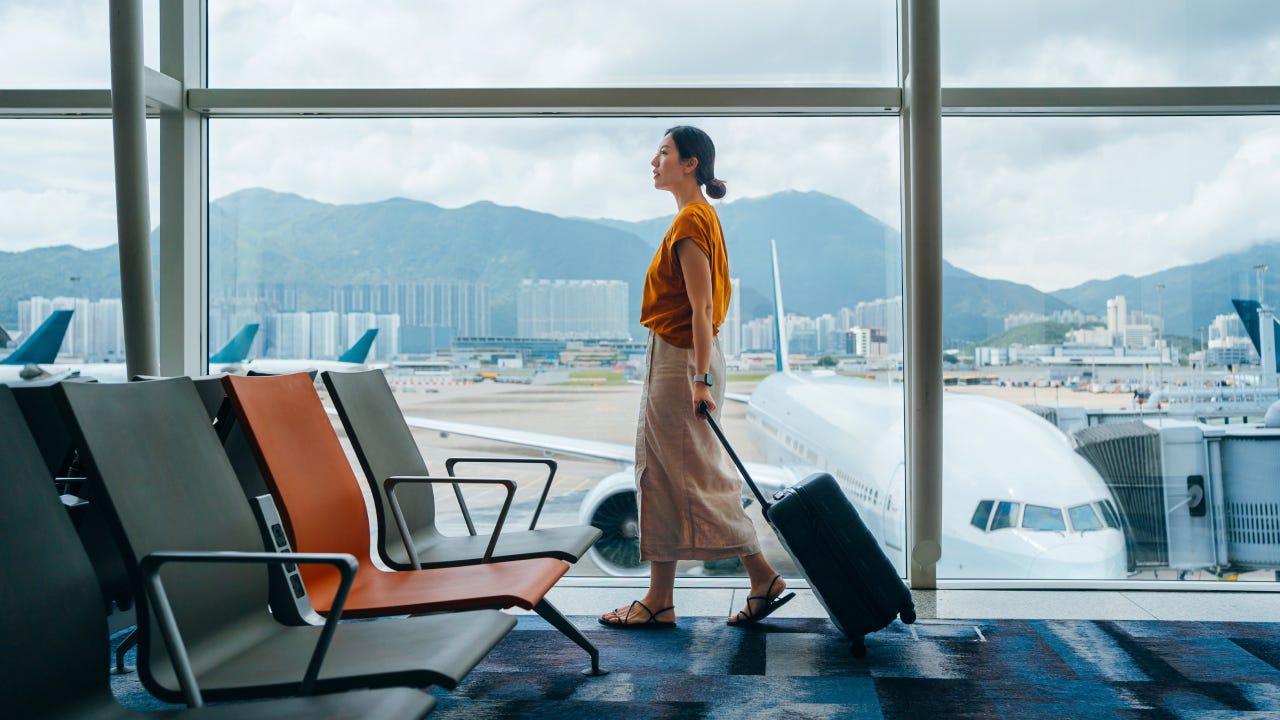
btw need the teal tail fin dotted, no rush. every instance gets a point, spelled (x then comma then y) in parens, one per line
(237, 348)
(42, 346)
(360, 350)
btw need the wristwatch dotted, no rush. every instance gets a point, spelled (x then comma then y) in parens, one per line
(704, 378)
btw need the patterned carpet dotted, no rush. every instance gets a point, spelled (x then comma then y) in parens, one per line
(935, 668)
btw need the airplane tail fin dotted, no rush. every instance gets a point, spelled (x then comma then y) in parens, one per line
(237, 348)
(1248, 312)
(782, 360)
(41, 347)
(360, 350)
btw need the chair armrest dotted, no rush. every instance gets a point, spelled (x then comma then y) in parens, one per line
(552, 466)
(390, 486)
(150, 568)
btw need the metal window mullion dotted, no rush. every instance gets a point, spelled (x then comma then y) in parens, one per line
(535, 102)
(183, 191)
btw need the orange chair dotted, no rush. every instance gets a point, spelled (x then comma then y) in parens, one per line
(323, 510)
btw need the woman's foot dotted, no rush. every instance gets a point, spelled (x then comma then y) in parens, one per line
(638, 616)
(762, 601)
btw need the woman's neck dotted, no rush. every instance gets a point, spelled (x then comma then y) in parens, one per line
(686, 196)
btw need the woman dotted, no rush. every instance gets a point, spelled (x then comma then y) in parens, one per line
(690, 502)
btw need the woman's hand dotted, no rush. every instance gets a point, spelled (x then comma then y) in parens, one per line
(702, 394)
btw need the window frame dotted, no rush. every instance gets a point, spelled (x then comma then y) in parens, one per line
(179, 96)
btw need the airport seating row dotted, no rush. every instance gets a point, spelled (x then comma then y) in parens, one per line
(169, 470)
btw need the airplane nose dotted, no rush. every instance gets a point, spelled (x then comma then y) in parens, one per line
(1070, 562)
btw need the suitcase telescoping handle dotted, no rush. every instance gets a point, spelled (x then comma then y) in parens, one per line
(764, 504)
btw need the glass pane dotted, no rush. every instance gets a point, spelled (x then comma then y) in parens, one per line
(429, 229)
(1084, 518)
(64, 43)
(1006, 516)
(570, 43)
(58, 247)
(982, 514)
(1039, 517)
(1102, 282)
(990, 43)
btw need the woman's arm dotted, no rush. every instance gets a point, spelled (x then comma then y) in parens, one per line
(696, 267)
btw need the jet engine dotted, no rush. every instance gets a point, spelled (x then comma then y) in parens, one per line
(612, 507)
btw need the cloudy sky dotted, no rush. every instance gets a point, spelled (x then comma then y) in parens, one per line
(1051, 202)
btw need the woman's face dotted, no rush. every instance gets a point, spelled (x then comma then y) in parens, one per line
(668, 169)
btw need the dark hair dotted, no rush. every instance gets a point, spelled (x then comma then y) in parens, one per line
(694, 143)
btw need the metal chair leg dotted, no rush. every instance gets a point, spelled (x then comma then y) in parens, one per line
(561, 623)
(130, 641)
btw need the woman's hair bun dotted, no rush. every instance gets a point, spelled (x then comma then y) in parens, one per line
(716, 189)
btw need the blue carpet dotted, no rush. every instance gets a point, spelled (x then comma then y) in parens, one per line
(935, 668)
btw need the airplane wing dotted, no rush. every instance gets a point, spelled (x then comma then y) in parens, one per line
(771, 478)
(595, 449)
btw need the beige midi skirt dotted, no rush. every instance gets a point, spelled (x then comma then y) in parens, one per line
(690, 496)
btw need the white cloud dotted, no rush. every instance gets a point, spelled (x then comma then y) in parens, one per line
(1135, 196)
(1049, 201)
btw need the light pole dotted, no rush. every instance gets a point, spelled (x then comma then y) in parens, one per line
(1160, 334)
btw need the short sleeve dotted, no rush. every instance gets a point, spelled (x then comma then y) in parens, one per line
(691, 224)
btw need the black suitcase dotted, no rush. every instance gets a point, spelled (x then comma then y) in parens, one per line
(841, 560)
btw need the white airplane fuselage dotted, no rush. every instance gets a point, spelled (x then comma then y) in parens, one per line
(992, 451)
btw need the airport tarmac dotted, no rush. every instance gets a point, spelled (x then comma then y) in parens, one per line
(605, 413)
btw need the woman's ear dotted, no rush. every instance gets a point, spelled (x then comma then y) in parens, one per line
(690, 165)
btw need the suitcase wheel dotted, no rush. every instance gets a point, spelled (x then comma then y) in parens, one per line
(858, 647)
(908, 616)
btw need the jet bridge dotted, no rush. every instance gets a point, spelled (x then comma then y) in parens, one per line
(1193, 496)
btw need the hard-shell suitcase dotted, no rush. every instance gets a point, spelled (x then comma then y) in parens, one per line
(841, 560)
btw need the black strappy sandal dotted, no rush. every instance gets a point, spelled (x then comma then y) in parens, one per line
(623, 622)
(746, 617)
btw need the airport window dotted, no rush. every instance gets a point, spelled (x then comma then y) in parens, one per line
(359, 224)
(1117, 281)
(63, 43)
(569, 43)
(982, 514)
(1039, 517)
(1097, 43)
(1103, 256)
(1006, 516)
(58, 240)
(1084, 518)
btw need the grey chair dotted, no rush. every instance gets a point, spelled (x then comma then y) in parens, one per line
(385, 447)
(40, 410)
(50, 614)
(169, 487)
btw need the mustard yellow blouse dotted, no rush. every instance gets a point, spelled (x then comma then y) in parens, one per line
(665, 307)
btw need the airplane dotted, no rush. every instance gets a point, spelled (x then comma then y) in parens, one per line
(353, 359)
(46, 339)
(38, 348)
(1019, 501)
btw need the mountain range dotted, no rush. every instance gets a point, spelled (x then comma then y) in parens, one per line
(832, 255)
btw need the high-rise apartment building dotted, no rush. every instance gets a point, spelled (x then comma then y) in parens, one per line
(572, 310)
(457, 304)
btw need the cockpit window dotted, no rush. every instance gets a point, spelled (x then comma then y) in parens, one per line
(1039, 517)
(1006, 515)
(982, 514)
(1084, 518)
(1109, 514)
